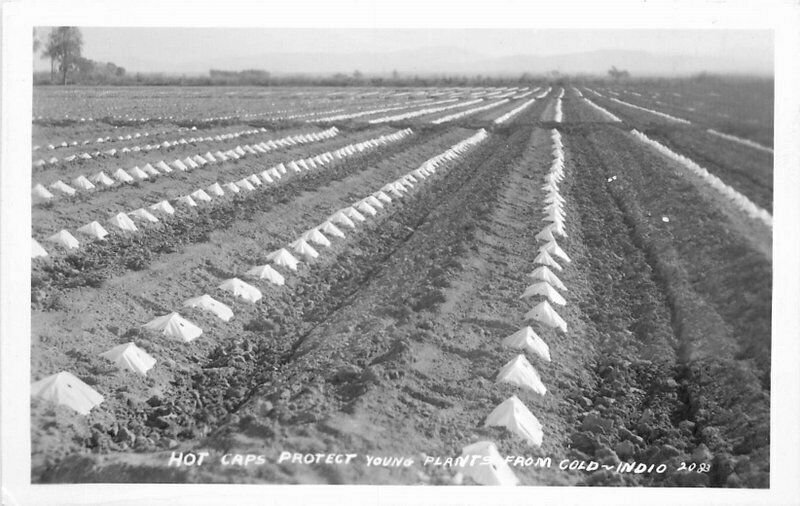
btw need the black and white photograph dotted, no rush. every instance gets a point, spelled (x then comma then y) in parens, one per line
(465, 259)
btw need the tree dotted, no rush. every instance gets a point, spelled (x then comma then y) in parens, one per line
(618, 74)
(37, 43)
(64, 46)
(48, 51)
(84, 66)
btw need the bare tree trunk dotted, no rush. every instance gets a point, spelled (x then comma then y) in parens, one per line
(65, 74)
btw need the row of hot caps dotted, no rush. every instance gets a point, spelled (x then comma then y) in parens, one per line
(329, 116)
(124, 222)
(559, 113)
(136, 148)
(367, 112)
(602, 110)
(130, 119)
(291, 114)
(512, 413)
(426, 110)
(460, 114)
(282, 114)
(165, 144)
(412, 114)
(65, 388)
(108, 138)
(523, 95)
(513, 112)
(149, 147)
(188, 163)
(651, 111)
(431, 110)
(741, 201)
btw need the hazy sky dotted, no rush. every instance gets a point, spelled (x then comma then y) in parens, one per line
(184, 49)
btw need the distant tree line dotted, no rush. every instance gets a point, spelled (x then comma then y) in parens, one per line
(96, 73)
(244, 77)
(90, 72)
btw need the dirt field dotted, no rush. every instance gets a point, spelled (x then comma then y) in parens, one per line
(389, 343)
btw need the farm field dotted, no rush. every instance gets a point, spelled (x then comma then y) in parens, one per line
(417, 230)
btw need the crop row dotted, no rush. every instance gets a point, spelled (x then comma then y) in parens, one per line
(125, 223)
(558, 115)
(522, 95)
(602, 110)
(473, 110)
(101, 180)
(127, 119)
(358, 114)
(101, 140)
(742, 202)
(513, 112)
(131, 119)
(422, 112)
(745, 142)
(512, 413)
(284, 115)
(242, 115)
(652, 111)
(113, 152)
(722, 135)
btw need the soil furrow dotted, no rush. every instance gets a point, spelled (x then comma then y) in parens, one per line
(631, 317)
(705, 340)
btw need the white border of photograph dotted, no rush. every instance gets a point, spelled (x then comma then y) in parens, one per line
(15, 226)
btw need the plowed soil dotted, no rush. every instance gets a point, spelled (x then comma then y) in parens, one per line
(388, 345)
